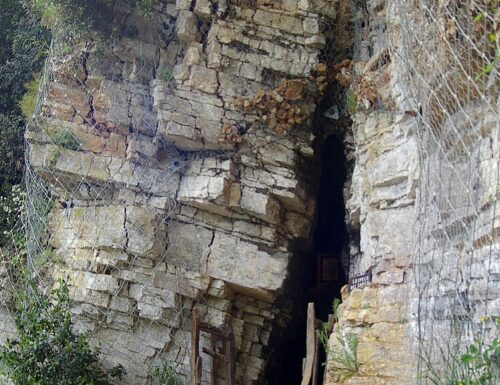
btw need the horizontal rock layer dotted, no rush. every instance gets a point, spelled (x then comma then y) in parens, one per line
(153, 213)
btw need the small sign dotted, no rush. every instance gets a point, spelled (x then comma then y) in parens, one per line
(360, 281)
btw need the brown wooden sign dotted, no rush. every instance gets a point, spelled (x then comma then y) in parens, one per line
(360, 281)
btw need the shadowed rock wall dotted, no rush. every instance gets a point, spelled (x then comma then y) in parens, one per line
(167, 195)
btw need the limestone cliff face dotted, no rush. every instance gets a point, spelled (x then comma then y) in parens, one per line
(380, 212)
(421, 192)
(173, 197)
(179, 157)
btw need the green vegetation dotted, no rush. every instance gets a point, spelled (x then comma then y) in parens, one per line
(47, 350)
(23, 47)
(11, 154)
(165, 74)
(478, 365)
(344, 361)
(28, 101)
(11, 207)
(164, 375)
(352, 102)
(335, 308)
(344, 358)
(66, 140)
(485, 26)
(47, 258)
(84, 18)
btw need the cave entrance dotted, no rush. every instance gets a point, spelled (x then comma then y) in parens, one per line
(328, 260)
(324, 266)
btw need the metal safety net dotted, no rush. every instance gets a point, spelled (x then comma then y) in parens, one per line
(449, 52)
(162, 155)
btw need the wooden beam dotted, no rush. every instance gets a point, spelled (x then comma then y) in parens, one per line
(230, 354)
(316, 361)
(331, 322)
(207, 328)
(310, 345)
(195, 349)
(217, 355)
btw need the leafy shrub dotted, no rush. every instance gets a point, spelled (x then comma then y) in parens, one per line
(66, 140)
(28, 101)
(80, 18)
(23, 46)
(344, 358)
(47, 351)
(478, 365)
(352, 103)
(11, 152)
(164, 375)
(165, 74)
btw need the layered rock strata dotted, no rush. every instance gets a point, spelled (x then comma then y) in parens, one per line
(157, 210)
(422, 191)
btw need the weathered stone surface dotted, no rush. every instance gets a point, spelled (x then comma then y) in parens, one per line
(136, 230)
(133, 270)
(230, 258)
(164, 214)
(186, 27)
(189, 246)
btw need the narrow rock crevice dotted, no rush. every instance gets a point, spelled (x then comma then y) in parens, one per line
(125, 227)
(321, 263)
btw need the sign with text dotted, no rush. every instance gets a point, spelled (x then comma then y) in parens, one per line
(360, 281)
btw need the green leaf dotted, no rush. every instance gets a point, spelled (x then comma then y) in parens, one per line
(466, 358)
(479, 17)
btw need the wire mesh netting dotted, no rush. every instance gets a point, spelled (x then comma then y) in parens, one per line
(450, 52)
(161, 166)
(140, 144)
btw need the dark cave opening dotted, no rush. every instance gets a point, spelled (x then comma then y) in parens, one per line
(322, 268)
(322, 265)
(329, 255)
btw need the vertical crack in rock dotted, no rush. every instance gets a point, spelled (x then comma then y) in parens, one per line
(125, 228)
(89, 118)
(192, 6)
(209, 247)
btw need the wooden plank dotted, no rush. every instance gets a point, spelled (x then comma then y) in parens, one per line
(207, 328)
(195, 349)
(216, 355)
(213, 344)
(230, 354)
(331, 322)
(310, 338)
(197, 372)
(316, 361)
